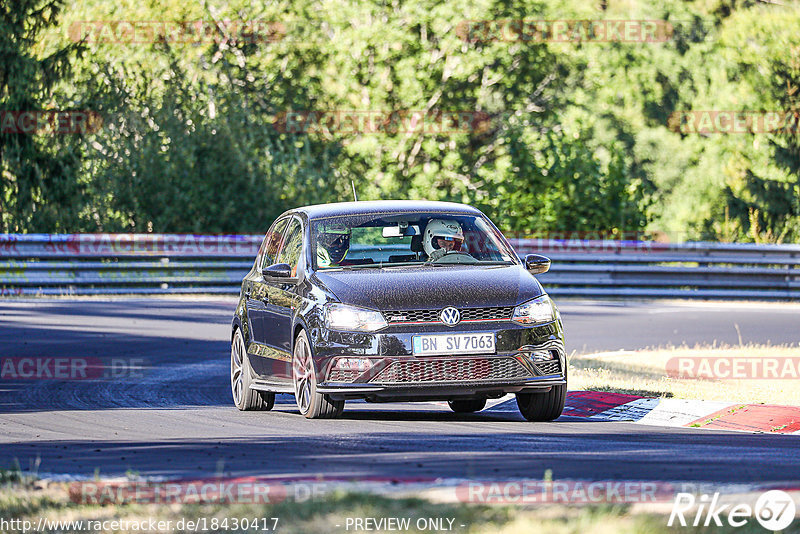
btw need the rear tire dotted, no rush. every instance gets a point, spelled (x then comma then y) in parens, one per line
(542, 406)
(244, 398)
(467, 406)
(311, 404)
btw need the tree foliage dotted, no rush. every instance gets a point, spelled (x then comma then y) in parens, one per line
(39, 188)
(574, 136)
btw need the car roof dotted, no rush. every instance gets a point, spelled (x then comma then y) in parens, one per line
(366, 207)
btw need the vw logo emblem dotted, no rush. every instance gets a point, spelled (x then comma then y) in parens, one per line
(450, 316)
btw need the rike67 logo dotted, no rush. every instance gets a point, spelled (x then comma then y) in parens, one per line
(774, 510)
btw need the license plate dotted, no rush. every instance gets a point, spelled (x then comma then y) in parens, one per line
(453, 344)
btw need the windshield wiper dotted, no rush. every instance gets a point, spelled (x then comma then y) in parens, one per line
(476, 264)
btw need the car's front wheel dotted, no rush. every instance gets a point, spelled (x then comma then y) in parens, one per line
(542, 406)
(244, 398)
(467, 406)
(311, 404)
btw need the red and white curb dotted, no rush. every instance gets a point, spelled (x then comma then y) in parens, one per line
(713, 415)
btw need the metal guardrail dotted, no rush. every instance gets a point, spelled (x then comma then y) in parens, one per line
(674, 270)
(87, 264)
(84, 264)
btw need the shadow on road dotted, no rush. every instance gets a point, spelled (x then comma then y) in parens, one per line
(570, 451)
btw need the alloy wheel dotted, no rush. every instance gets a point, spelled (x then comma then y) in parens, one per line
(237, 356)
(302, 371)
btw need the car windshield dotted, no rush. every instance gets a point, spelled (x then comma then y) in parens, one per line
(363, 241)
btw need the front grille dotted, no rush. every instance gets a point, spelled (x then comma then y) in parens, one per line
(451, 370)
(412, 316)
(548, 368)
(343, 375)
(486, 314)
(432, 316)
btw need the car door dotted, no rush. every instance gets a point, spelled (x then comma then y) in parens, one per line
(283, 298)
(257, 299)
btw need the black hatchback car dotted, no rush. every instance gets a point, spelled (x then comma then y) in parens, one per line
(395, 301)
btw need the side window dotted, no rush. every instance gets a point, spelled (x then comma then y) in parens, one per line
(290, 253)
(272, 244)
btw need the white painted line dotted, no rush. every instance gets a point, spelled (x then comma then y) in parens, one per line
(681, 412)
(632, 411)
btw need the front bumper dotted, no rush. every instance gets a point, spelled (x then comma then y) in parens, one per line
(397, 374)
(448, 391)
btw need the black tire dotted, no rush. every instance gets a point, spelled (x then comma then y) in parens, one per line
(244, 398)
(542, 406)
(467, 406)
(311, 404)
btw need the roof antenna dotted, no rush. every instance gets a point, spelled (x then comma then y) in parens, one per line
(355, 197)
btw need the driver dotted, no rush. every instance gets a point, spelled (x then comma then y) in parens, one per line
(333, 242)
(442, 237)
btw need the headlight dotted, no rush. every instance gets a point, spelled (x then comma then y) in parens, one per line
(352, 319)
(537, 311)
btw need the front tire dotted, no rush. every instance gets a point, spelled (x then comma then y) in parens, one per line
(467, 406)
(311, 404)
(542, 406)
(244, 398)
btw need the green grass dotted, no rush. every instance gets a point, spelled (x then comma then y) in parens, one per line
(644, 372)
(323, 514)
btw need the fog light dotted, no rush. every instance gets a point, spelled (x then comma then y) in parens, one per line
(538, 355)
(353, 364)
(541, 355)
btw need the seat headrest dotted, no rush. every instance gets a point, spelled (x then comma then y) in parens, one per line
(416, 243)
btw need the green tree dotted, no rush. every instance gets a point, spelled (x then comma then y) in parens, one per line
(578, 135)
(764, 199)
(202, 155)
(39, 186)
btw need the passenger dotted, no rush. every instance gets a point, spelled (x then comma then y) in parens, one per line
(332, 246)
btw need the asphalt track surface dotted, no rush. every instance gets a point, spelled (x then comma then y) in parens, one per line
(177, 420)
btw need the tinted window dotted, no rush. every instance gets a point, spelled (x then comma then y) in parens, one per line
(294, 245)
(272, 243)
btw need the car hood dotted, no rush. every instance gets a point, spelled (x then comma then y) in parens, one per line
(432, 287)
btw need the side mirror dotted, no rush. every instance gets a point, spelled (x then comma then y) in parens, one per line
(537, 264)
(278, 270)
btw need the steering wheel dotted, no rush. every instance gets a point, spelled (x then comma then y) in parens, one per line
(453, 254)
